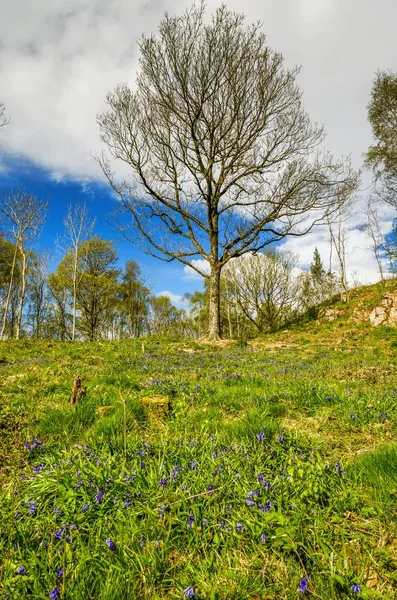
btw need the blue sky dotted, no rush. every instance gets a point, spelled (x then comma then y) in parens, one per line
(59, 59)
(20, 173)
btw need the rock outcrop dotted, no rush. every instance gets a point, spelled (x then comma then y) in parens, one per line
(386, 313)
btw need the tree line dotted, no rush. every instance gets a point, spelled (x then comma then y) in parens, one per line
(89, 297)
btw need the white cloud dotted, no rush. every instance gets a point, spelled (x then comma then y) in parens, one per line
(360, 259)
(191, 274)
(58, 60)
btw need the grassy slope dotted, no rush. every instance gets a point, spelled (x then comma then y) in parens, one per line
(323, 394)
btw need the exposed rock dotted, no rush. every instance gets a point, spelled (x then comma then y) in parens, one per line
(331, 314)
(386, 313)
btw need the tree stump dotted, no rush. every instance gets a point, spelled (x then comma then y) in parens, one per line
(156, 408)
(78, 391)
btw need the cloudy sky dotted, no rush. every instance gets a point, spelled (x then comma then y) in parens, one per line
(59, 58)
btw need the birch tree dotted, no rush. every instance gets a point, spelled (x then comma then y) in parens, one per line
(24, 215)
(79, 228)
(223, 158)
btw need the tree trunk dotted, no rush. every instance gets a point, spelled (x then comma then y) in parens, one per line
(214, 327)
(22, 298)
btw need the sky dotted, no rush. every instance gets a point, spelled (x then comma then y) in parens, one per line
(59, 59)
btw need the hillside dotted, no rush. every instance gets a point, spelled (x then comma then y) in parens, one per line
(266, 470)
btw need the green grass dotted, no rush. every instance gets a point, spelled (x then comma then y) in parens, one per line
(319, 484)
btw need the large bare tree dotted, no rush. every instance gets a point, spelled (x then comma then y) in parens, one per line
(23, 215)
(224, 159)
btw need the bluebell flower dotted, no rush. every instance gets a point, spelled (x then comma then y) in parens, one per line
(85, 507)
(110, 544)
(55, 594)
(263, 538)
(58, 534)
(38, 468)
(249, 502)
(211, 488)
(204, 522)
(260, 437)
(280, 438)
(78, 484)
(239, 526)
(303, 584)
(99, 496)
(193, 464)
(353, 416)
(355, 588)
(142, 543)
(57, 510)
(21, 571)
(189, 592)
(60, 572)
(31, 506)
(190, 519)
(67, 539)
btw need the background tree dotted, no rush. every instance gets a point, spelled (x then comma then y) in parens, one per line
(79, 227)
(98, 284)
(9, 284)
(372, 227)
(39, 304)
(382, 115)
(265, 287)
(134, 299)
(165, 318)
(223, 156)
(23, 215)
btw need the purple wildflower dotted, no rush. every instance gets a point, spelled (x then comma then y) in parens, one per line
(211, 488)
(355, 588)
(189, 592)
(263, 538)
(110, 544)
(260, 437)
(353, 416)
(57, 510)
(239, 526)
(38, 468)
(85, 507)
(55, 594)
(32, 506)
(193, 464)
(99, 496)
(60, 572)
(142, 543)
(303, 584)
(58, 534)
(190, 520)
(21, 571)
(249, 502)
(78, 484)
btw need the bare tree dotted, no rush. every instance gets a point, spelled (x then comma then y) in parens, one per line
(24, 215)
(337, 230)
(371, 227)
(79, 228)
(264, 287)
(224, 159)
